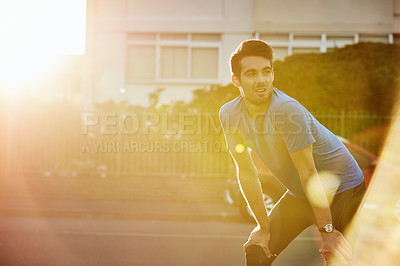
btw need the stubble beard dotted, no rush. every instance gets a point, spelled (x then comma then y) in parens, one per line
(257, 100)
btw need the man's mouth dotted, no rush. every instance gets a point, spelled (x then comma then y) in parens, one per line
(261, 89)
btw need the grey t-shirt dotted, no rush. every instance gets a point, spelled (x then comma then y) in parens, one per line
(287, 127)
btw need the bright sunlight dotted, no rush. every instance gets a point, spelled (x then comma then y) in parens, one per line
(34, 36)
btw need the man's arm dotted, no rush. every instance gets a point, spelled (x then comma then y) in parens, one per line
(331, 242)
(251, 190)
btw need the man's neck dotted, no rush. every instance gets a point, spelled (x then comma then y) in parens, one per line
(257, 110)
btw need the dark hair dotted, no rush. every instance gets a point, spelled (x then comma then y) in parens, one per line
(249, 48)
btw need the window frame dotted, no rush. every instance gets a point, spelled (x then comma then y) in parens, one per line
(188, 43)
(315, 40)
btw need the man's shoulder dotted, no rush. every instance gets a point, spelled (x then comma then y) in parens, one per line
(232, 107)
(284, 103)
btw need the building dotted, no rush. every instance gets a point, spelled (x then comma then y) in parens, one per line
(134, 47)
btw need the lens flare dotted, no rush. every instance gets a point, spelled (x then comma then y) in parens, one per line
(330, 183)
(34, 37)
(376, 230)
(239, 148)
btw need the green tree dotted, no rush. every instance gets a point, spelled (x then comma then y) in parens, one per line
(360, 77)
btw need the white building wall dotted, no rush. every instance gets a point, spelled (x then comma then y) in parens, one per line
(234, 20)
(115, 19)
(138, 93)
(109, 66)
(324, 15)
(230, 43)
(176, 15)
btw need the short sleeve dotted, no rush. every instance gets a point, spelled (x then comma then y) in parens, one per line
(292, 123)
(233, 137)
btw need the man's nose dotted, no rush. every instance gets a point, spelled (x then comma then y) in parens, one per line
(261, 78)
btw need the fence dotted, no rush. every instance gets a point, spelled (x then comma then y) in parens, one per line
(57, 141)
(63, 141)
(365, 129)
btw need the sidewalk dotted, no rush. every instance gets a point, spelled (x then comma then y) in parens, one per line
(120, 210)
(196, 199)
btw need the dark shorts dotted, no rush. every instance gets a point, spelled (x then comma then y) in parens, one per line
(291, 215)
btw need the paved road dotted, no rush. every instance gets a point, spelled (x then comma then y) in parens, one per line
(77, 241)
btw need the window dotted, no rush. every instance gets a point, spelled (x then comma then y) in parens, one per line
(338, 38)
(307, 38)
(173, 57)
(303, 50)
(374, 38)
(286, 44)
(339, 41)
(142, 62)
(201, 68)
(174, 62)
(275, 37)
(280, 53)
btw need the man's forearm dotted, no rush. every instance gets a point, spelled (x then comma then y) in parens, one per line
(317, 198)
(252, 192)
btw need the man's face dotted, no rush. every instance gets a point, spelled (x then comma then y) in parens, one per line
(256, 78)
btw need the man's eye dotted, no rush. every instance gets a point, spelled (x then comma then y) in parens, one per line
(251, 74)
(267, 72)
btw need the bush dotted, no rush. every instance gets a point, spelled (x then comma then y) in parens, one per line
(360, 77)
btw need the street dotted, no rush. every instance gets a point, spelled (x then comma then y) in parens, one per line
(88, 241)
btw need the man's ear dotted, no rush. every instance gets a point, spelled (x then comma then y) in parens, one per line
(235, 81)
(273, 75)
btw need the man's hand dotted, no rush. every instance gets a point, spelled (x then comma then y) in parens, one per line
(261, 238)
(336, 244)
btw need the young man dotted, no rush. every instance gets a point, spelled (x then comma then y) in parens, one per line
(325, 185)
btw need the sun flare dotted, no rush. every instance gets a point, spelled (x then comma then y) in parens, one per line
(34, 36)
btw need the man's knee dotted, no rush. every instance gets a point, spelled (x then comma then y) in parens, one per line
(255, 256)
